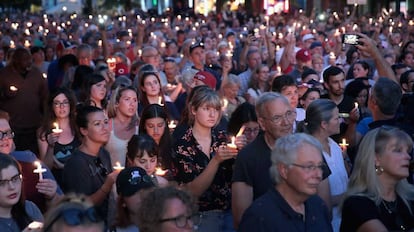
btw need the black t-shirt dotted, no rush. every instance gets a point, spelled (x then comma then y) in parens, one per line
(84, 173)
(252, 166)
(359, 209)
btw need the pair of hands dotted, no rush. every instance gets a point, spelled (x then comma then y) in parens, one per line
(226, 152)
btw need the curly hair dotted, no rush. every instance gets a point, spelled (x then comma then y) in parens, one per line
(155, 204)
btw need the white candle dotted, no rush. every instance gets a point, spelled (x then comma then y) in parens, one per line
(172, 124)
(13, 88)
(39, 169)
(56, 129)
(35, 225)
(160, 101)
(111, 63)
(241, 131)
(343, 145)
(118, 166)
(232, 144)
(356, 105)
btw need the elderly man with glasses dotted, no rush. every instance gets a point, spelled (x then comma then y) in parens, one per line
(251, 177)
(292, 204)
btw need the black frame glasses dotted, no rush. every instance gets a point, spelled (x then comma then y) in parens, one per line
(9, 134)
(60, 104)
(181, 221)
(76, 216)
(15, 179)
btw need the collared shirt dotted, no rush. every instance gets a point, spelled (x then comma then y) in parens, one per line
(271, 213)
(244, 78)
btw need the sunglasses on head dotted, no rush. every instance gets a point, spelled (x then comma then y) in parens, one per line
(76, 216)
(102, 170)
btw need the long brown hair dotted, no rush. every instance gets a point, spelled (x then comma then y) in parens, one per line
(18, 211)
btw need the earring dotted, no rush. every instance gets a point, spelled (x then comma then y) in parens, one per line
(379, 170)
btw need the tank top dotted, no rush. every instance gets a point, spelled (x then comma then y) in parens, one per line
(63, 151)
(117, 147)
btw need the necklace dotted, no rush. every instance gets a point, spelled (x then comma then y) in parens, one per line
(390, 206)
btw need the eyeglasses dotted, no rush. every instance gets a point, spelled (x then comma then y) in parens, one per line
(60, 104)
(102, 170)
(289, 116)
(75, 217)
(182, 220)
(14, 180)
(9, 134)
(310, 167)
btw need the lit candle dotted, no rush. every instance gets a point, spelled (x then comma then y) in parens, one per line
(356, 105)
(35, 225)
(44, 75)
(343, 145)
(118, 166)
(160, 101)
(241, 130)
(160, 172)
(111, 63)
(56, 129)
(39, 169)
(172, 124)
(232, 144)
(13, 88)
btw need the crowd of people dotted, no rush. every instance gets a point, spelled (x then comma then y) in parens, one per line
(226, 122)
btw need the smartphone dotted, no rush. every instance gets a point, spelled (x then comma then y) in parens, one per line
(351, 39)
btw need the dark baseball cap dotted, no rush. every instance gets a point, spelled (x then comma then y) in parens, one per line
(131, 180)
(197, 44)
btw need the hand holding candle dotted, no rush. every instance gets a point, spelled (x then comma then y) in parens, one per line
(39, 169)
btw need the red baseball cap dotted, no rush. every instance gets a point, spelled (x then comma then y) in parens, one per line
(207, 78)
(303, 55)
(121, 69)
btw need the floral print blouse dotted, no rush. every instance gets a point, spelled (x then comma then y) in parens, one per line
(190, 162)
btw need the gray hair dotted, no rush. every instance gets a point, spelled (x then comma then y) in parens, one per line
(286, 150)
(264, 99)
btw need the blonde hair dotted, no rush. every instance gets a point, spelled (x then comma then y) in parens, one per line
(112, 108)
(204, 96)
(364, 180)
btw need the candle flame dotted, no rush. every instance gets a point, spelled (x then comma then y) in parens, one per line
(160, 172)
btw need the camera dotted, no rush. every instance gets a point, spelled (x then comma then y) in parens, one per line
(351, 39)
